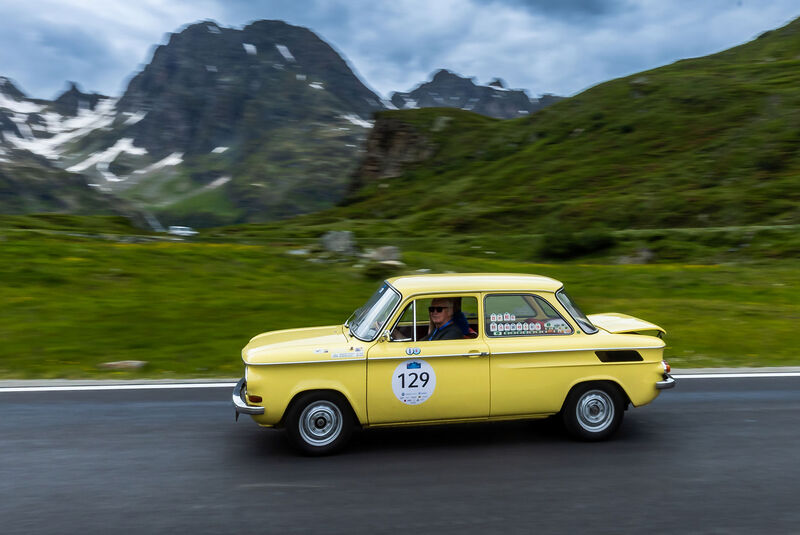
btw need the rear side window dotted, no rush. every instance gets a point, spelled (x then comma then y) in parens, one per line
(522, 315)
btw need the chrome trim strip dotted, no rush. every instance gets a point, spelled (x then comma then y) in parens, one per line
(300, 362)
(572, 350)
(668, 382)
(414, 312)
(421, 356)
(239, 402)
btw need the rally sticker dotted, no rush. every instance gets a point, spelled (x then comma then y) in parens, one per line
(413, 382)
(355, 352)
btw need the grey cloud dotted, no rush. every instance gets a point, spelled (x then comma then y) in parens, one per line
(567, 10)
(62, 53)
(559, 46)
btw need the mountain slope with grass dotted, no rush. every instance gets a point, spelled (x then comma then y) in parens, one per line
(706, 142)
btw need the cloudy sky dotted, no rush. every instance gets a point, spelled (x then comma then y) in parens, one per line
(543, 46)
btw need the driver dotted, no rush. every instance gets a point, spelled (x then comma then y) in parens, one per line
(442, 326)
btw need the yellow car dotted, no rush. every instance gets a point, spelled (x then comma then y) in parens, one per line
(429, 349)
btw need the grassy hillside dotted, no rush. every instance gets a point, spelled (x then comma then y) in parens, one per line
(705, 142)
(79, 293)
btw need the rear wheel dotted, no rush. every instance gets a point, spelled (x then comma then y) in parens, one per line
(593, 411)
(319, 423)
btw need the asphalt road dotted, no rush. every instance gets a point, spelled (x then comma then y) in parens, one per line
(710, 456)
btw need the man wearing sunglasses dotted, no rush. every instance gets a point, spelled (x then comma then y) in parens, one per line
(441, 325)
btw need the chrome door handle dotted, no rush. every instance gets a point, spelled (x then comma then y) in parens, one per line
(476, 354)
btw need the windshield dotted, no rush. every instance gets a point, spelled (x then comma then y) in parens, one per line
(575, 312)
(368, 320)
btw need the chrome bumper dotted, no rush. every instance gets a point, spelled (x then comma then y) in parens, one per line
(668, 382)
(239, 402)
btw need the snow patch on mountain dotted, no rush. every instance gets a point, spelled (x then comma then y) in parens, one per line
(250, 49)
(102, 168)
(285, 53)
(109, 155)
(23, 127)
(217, 183)
(65, 130)
(135, 117)
(356, 120)
(175, 158)
(18, 106)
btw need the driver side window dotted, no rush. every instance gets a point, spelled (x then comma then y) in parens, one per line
(424, 316)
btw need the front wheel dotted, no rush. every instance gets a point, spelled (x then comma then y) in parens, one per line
(319, 423)
(593, 411)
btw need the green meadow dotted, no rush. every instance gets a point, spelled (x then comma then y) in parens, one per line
(78, 292)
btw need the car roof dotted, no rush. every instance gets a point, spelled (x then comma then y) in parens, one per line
(473, 282)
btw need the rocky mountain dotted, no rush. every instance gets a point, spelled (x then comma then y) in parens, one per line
(209, 83)
(29, 180)
(449, 90)
(224, 125)
(73, 100)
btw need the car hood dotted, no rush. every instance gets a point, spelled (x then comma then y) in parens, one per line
(621, 323)
(302, 345)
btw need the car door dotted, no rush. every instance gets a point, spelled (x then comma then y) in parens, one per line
(530, 368)
(410, 379)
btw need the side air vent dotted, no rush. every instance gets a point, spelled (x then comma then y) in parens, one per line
(619, 356)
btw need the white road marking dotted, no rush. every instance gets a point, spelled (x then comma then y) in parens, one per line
(89, 388)
(734, 375)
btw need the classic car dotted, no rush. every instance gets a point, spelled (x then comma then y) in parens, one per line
(522, 350)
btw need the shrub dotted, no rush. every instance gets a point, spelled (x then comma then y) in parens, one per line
(566, 243)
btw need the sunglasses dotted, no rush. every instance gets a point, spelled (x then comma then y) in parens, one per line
(437, 309)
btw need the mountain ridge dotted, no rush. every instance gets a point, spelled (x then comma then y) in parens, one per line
(447, 89)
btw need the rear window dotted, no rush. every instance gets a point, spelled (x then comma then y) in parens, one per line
(522, 315)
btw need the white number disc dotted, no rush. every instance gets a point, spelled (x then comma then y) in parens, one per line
(413, 382)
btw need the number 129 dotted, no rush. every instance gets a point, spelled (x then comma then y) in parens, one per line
(423, 377)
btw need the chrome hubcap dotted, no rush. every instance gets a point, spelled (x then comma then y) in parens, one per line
(595, 410)
(320, 423)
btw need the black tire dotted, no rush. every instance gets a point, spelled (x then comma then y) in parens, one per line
(319, 423)
(593, 411)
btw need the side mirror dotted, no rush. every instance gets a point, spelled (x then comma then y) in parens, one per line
(386, 336)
